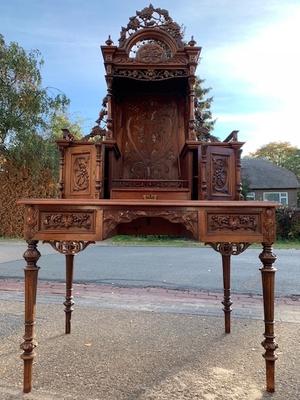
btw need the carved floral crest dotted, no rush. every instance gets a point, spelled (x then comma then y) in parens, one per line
(150, 17)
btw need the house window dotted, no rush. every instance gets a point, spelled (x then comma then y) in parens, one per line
(250, 196)
(280, 197)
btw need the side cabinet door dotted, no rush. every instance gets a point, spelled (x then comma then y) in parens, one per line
(80, 168)
(220, 173)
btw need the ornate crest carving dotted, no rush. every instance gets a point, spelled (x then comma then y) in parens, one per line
(150, 17)
(232, 222)
(114, 217)
(151, 53)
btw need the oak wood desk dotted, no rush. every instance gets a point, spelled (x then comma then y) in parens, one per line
(70, 225)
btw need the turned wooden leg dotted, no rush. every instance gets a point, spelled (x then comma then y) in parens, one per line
(31, 256)
(268, 283)
(226, 284)
(69, 291)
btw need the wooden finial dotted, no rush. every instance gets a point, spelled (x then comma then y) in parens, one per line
(192, 42)
(109, 42)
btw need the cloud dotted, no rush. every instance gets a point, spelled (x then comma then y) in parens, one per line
(266, 68)
(260, 128)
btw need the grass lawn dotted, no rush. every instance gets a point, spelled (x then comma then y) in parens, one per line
(161, 240)
(164, 240)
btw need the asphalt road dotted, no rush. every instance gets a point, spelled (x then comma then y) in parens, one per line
(167, 267)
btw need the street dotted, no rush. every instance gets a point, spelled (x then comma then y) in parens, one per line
(163, 267)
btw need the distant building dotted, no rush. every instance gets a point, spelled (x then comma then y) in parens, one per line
(266, 181)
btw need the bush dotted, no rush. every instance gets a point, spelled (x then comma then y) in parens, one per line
(288, 223)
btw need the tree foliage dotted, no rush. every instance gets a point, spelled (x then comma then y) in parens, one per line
(26, 107)
(282, 154)
(31, 116)
(203, 114)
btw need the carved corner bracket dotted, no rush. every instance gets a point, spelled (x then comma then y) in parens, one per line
(68, 247)
(228, 248)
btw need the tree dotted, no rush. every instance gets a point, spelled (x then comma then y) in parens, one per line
(44, 147)
(203, 114)
(282, 154)
(26, 107)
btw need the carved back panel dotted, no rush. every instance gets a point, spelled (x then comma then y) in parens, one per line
(150, 133)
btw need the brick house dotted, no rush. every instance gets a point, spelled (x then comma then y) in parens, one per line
(269, 182)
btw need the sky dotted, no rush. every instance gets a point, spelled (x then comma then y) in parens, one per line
(250, 56)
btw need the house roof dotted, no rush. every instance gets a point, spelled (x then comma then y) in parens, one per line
(262, 174)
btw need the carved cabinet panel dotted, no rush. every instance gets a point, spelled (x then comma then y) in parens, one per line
(80, 171)
(220, 173)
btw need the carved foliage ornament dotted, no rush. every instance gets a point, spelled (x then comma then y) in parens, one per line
(31, 222)
(113, 218)
(232, 222)
(151, 17)
(67, 220)
(269, 225)
(68, 247)
(228, 249)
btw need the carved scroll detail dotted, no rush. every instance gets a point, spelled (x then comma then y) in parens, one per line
(67, 220)
(220, 174)
(269, 225)
(80, 173)
(228, 249)
(31, 222)
(68, 247)
(112, 218)
(232, 222)
(149, 183)
(126, 60)
(150, 74)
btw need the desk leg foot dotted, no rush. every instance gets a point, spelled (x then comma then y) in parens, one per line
(69, 303)
(227, 303)
(31, 256)
(268, 283)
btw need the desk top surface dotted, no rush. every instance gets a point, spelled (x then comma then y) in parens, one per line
(152, 203)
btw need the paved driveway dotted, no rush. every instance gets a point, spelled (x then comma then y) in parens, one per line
(167, 267)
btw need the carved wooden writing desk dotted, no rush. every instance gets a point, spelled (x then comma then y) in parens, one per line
(70, 225)
(150, 166)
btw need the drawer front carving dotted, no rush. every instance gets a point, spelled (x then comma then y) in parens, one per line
(231, 226)
(232, 222)
(75, 221)
(47, 224)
